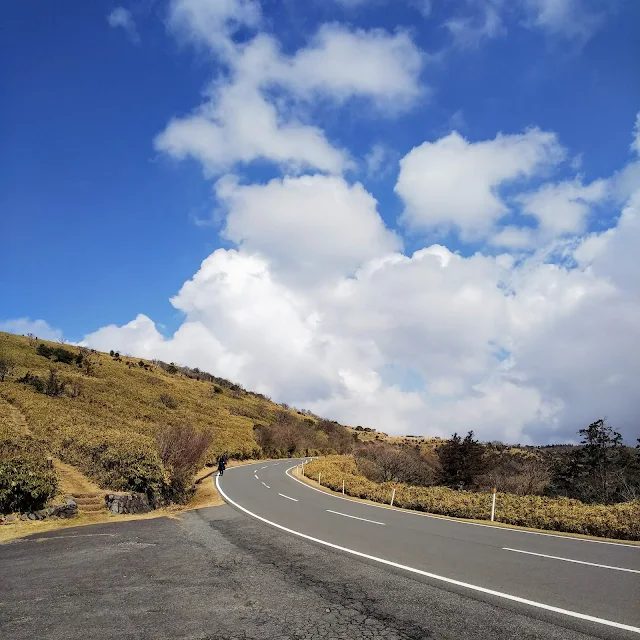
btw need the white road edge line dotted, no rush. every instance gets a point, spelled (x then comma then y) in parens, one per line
(591, 564)
(346, 515)
(455, 521)
(265, 466)
(266, 485)
(473, 587)
(281, 494)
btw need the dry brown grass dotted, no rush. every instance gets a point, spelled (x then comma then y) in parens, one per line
(72, 482)
(313, 483)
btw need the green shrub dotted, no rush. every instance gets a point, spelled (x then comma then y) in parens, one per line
(26, 481)
(34, 381)
(123, 461)
(44, 351)
(59, 354)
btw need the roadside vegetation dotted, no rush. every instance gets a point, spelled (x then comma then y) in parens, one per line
(591, 489)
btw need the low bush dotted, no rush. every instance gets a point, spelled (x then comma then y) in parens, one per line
(26, 480)
(168, 401)
(52, 386)
(621, 521)
(59, 354)
(34, 381)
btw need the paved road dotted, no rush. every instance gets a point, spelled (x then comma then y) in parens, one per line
(582, 585)
(219, 574)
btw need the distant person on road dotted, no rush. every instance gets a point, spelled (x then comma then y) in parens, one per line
(222, 464)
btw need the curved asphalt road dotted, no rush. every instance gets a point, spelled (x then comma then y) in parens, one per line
(579, 584)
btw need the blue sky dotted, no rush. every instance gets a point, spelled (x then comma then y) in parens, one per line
(107, 212)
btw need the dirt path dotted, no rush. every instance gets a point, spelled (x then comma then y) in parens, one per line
(14, 417)
(73, 482)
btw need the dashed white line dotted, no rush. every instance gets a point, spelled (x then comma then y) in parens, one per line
(287, 497)
(265, 466)
(266, 485)
(256, 476)
(346, 515)
(591, 564)
(433, 576)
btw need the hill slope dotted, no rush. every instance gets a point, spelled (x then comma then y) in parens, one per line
(102, 412)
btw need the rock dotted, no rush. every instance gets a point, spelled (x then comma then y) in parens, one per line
(71, 502)
(23, 516)
(10, 519)
(31, 516)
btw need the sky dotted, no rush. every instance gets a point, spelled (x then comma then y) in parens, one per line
(420, 216)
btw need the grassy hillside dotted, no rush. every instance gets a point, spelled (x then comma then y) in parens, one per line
(102, 412)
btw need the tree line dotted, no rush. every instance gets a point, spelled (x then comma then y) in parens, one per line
(600, 470)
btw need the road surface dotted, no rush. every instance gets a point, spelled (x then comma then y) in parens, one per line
(583, 585)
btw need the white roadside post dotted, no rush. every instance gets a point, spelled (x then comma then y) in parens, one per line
(342, 486)
(493, 504)
(319, 475)
(393, 495)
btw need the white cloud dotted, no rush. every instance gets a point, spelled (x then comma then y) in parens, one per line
(312, 228)
(468, 32)
(563, 207)
(454, 183)
(380, 160)
(24, 326)
(512, 237)
(241, 122)
(240, 127)
(122, 18)
(212, 24)
(342, 63)
(570, 18)
(635, 144)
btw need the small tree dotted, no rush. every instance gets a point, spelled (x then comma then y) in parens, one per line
(462, 461)
(54, 386)
(600, 470)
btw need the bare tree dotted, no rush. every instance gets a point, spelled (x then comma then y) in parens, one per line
(182, 448)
